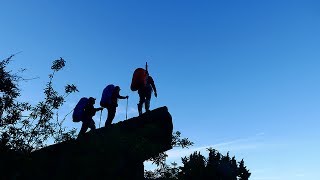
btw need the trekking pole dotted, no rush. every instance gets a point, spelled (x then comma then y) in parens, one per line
(100, 117)
(127, 109)
(146, 66)
(65, 117)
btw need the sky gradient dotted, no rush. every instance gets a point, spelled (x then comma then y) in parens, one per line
(239, 76)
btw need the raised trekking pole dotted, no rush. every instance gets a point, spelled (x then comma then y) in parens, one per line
(127, 109)
(100, 117)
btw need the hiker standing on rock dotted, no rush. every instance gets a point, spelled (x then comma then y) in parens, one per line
(145, 94)
(109, 100)
(144, 83)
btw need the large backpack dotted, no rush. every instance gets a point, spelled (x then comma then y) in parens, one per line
(139, 79)
(106, 96)
(78, 112)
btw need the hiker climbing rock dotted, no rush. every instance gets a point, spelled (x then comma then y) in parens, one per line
(144, 83)
(109, 100)
(84, 111)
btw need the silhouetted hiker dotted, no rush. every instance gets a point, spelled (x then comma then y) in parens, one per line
(145, 93)
(109, 100)
(144, 83)
(88, 112)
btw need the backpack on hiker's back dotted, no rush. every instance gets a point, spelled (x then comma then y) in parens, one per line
(106, 96)
(139, 79)
(78, 112)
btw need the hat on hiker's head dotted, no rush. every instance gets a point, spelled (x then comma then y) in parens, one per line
(117, 88)
(92, 98)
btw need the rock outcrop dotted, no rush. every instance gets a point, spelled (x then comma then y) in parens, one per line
(116, 152)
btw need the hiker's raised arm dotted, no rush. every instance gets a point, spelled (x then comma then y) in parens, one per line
(123, 97)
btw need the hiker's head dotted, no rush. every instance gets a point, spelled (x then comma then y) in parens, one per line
(92, 100)
(117, 89)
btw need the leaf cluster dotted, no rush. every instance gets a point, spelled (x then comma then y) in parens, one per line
(196, 166)
(177, 141)
(25, 127)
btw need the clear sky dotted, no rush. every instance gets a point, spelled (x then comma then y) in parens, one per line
(240, 76)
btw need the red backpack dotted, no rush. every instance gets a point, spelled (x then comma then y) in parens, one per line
(139, 79)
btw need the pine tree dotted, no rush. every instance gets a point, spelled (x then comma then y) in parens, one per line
(193, 167)
(244, 174)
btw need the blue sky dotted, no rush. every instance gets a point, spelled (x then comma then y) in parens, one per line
(240, 76)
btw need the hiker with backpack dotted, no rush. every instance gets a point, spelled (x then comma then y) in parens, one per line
(86, 107)
(144, 83)
(109, 100)
(145, 93)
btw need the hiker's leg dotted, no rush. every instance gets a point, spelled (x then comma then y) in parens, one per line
(139, 108)
(147, 105)
(84, 128)
(141, 100)
(108, 122)
(148, 98)
(111, 114)
(92, 125)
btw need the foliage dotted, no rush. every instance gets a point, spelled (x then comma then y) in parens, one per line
(178, 142)
(196, 166)
(243, 173)
(160, 159)
(25, 127)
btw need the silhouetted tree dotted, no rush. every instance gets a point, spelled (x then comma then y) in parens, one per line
(163, 171)
(196, 166)
(166, 173)
(174, 171)
(25, 127)
(233, 168)
(193, 167)
(225, 167)
(243, 173)
(217, 167)
(213, 164)
(148, 174)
